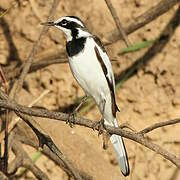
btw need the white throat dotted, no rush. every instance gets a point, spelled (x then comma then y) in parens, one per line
(67, 33)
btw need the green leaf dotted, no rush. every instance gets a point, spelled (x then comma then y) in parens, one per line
(137, 47)
(36, 156)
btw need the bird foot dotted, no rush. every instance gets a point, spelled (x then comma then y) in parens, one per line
(71, 119)
(106, 137)
(100, 126)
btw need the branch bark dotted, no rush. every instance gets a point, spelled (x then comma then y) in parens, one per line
(18, 85)
(137, 137)
(22, 160)
(140, 21)
(159, 125)
(43, 137)
(51, 155)
(117, 22)
(162, 7)
(5, 156)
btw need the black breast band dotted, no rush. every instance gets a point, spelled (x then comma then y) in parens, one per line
(75, 46)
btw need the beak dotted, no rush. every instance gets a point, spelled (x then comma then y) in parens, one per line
(50, 23)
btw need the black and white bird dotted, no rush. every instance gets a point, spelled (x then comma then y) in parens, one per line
(91, 67)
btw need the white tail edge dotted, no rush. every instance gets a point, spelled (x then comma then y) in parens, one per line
(119, 147)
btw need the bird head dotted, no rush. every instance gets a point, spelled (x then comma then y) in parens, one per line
(72, 26)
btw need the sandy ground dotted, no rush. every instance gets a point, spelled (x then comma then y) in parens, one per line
(152, 95)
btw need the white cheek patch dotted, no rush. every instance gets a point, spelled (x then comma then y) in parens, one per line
(82, 33)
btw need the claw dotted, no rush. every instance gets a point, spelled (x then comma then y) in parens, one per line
(106, 137)
(71, 119)
(72, 116)
(100, 126)
(101, 130)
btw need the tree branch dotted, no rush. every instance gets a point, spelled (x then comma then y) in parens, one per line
(5, 156)
(159, 125)
(18, 85)
(137, 137)
(140, 21)
(117, 22)
(25, 140)
(162, 7)
(22, 160)
(43, 137)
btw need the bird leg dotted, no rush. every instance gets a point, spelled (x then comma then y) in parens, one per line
(100, 124)
(106, 137)
(72, 116)
(71, 119)
(101, 130)
(83, 100)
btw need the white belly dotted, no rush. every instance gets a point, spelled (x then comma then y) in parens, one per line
(89, 74)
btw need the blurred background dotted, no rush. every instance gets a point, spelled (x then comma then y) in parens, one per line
(150, 94)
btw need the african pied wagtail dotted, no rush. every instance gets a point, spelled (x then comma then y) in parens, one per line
(92, 69)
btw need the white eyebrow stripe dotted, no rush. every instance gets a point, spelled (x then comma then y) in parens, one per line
(74, 20)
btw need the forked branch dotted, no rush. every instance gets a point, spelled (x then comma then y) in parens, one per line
(137, 137)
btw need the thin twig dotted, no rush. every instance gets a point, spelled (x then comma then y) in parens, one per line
(13, 4)
(36, 66)
(18, 85)
(23, 160)
(159, 125)
(136, 137)
(154, 12)
(145, 18)
(5, 157)
(157, 47)
(16, 120)
(139, 138)
(43, 137)
(24, 138)
(117, 22)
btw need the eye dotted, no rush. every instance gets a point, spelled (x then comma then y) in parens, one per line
(64, 22)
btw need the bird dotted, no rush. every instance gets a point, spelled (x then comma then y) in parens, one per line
(92, 69)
